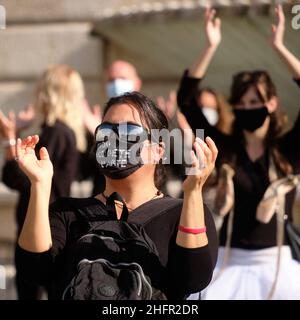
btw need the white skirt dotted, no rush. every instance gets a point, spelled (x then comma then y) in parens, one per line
(249, 275)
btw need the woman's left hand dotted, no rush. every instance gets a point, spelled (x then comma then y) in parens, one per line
(203, 163)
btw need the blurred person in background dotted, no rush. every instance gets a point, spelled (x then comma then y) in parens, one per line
(258, 265)
(120, 77)
(181, 131)
(59, 96)
(216, 112)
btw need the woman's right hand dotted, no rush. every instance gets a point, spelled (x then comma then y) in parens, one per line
(38, 171)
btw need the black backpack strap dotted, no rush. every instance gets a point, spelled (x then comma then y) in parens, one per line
(110, 205)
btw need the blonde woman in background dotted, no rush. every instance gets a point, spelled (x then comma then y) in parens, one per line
(58, 104)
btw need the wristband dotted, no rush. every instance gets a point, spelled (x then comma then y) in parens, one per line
(192, 230)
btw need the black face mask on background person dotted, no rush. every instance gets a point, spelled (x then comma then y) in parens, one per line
(115, 161)
(251, 119)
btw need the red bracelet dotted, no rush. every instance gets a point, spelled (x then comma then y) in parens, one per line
(192, 230)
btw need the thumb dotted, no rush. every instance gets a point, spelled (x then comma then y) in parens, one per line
(44, 155)
(274, 28)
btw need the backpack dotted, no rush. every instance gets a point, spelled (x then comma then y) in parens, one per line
(119, 262)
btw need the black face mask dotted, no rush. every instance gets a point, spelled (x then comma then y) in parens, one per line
(114, 161)
(251, 119)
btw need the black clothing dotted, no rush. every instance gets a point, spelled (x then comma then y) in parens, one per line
(184, 270)
(60, 142)
(251, 177)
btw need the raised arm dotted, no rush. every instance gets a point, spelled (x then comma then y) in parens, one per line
(36, 234)
(194, 257)
(213, 39)
(192, 215)
(189, 84)
(288, 58)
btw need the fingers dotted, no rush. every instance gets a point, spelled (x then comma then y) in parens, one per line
(34, 141)
(212, 14)
(19, 149)
(207, 152)
(201, 156)
(206, 14)
(279, 14)
(194, 160)
(209, 14)
(28, 144)
(27, 113)
(213, 148)
(25, 142)
(25, 146)
(44, 155)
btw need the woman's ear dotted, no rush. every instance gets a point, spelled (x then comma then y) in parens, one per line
(272, 104)
(158, 151)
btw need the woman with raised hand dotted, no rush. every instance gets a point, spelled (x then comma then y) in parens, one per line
(182, 232)
(255, 154)
(58, 101)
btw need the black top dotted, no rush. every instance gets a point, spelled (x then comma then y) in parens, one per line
(60, 142)
(184, 270)
(251, 177)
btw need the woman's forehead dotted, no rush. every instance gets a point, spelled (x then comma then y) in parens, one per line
(123, 113)
(251, 93)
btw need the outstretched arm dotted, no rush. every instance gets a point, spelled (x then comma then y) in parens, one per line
(278, 44)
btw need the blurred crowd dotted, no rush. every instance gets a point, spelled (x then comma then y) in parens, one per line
(251, 192)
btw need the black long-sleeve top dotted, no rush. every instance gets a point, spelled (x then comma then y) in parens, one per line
(251, 177)
(60, 142)
(183, 271)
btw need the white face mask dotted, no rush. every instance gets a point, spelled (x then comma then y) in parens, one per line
(211, 115)
(118, 87)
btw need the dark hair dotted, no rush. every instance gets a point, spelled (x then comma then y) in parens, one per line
(150, 114)
(266, 90)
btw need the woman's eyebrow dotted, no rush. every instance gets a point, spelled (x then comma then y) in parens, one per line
(132, 122)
